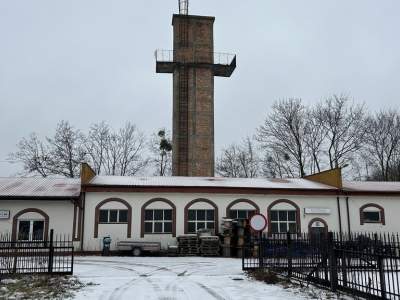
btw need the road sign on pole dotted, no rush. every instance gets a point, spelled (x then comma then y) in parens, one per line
(258, 222)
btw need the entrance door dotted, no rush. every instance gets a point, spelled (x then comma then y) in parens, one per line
(30, 230)
(317, 229)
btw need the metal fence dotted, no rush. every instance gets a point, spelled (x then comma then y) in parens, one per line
(52, 256)
(363, 264)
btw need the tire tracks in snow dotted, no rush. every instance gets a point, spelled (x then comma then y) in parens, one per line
(117, 292)
(174, 286)
(185, 277)
(120, 290)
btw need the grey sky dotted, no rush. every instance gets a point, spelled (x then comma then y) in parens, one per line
(92, 60)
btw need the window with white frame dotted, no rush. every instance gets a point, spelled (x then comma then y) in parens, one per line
(241, 214)
(30, 230)
(283, 221)
(158, 221)
(200, 219)
(113, 216)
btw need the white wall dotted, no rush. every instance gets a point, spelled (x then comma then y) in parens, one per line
(136, 200)
(61, 214)
(391, 206)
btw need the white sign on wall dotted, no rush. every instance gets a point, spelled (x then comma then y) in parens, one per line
(4, 214)
(317, 211)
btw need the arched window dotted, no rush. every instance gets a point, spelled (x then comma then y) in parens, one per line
(241, 209)
(30, 224)
(107, 213)
(201, 214)
(283, 216)
(372, 213)
(158, 216)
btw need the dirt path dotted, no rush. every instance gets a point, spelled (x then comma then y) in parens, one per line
(165, 278)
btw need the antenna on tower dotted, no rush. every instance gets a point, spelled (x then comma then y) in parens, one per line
(183, 7)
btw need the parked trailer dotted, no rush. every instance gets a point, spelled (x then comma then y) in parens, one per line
(137, 248)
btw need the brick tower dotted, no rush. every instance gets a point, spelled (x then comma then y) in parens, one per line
(193, 64)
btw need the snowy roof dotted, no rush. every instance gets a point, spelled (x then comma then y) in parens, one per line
(372, 186)
(38, 187)
(217, 182)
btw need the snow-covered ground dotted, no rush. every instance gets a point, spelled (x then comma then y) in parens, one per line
(165, 278)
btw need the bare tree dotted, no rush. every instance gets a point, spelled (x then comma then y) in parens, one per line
(161, 148)
(227, 165)
(110, 153)
(284, 132)
(361, 166)
(96, 145)
(277, 164)
(344, 123)
(34, 155)
(58, 155)
(383, 142)
(395, 168)
(314, 136)
(66, 150)
(124, 152)
(239, 161)
(249, 159)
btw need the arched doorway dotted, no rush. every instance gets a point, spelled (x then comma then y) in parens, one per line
(317, 228)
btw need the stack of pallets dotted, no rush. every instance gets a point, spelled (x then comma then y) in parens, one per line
(227, 233)
(209, 246)
(188, 245)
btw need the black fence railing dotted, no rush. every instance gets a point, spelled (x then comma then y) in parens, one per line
(364, 264)
(54, 255)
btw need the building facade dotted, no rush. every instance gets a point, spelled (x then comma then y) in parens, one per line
(30, 207)
(159, 209)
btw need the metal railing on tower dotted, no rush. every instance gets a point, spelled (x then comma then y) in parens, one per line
(184, 7)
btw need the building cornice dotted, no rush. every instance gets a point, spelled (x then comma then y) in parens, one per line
(207, 190)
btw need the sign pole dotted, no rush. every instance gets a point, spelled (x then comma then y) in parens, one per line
(260, 249)
(258, 223)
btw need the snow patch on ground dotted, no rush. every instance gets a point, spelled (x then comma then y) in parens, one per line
(162, 278)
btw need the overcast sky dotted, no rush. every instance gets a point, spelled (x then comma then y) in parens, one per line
(92, 60)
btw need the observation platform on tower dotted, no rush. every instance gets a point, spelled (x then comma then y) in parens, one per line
(223, 64)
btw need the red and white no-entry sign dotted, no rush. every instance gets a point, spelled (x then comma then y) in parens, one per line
(258, 222)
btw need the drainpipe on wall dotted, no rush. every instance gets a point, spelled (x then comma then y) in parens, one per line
(83, 218)
(339, 214)
(348, 215)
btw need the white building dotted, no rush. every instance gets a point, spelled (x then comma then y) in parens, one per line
(161, 208)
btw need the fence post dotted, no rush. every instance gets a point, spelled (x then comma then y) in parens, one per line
(382, 276)
(381, 267)
(344, 266)
(51, 252)
(332, 263)
(72, 256)
(289, 254)
(14, 251)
